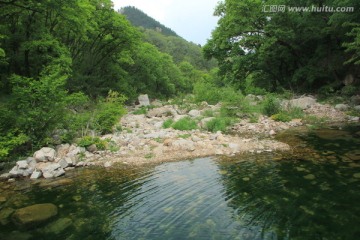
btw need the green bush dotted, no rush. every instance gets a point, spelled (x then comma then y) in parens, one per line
(281, 117)
(271, 105)
(218, 124)
(109, 112)
(349, 90)
(168, 123)
(88, 140)
(185, 123)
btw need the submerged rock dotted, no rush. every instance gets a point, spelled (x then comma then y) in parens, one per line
(58, 226)
(33, 216)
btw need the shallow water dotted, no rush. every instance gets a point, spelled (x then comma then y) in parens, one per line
(313, 195)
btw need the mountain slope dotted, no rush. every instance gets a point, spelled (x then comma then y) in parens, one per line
(140, 19)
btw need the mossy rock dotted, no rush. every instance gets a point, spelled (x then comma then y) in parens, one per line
(35, 215)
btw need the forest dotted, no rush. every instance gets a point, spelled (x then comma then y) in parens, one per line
(69, 67)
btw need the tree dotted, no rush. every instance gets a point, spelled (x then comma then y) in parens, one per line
(300, 51)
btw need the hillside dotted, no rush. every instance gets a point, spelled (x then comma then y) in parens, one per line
(166, 40)
(140, 19)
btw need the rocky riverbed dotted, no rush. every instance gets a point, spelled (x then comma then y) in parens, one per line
(144, 140)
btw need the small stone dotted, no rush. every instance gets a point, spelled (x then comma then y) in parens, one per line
(310, 177)
(272, 132)
(107, 164)
(356, 175)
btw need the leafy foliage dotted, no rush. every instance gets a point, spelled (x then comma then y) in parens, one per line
(185, 123)
(300, 51)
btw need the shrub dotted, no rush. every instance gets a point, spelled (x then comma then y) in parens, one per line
(185, 123)
(88, 140)
(348, 90)
(271, 106)
(109, 112)
(281, 117)
(168, 123)
(218, 124)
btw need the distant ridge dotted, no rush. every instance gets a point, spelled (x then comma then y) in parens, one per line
(140, 19)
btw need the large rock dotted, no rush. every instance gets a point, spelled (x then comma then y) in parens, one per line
(194, 113)
(341, 107)
(303, 103)
(144, 100)
(45, 154)
(62, 150)
(33, 216)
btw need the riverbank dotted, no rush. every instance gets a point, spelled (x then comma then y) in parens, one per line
(143, 139)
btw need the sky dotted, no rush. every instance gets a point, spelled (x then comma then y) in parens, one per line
(191, 19)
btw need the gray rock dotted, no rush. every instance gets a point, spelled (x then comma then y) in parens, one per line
(195, 138)
(59, 172)
(194, 113)
(48, 175)
(161, 112)
(303, 103)
(184, 144)
(355, 100)
(75, 150)
(144, 100)
(32, 216)
(354, 119)
(5, 176)
(23, 164)
(204, 121)
(45, 154)
(31, 162)
(62, 150)
(36, 175)
(342, 107)
(51, 167)
(16, 172)
(92, 148)
(28, 172)
(63, 163)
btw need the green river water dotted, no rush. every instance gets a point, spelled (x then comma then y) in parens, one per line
(311, 193)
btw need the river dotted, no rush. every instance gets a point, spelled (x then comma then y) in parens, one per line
(311, 193)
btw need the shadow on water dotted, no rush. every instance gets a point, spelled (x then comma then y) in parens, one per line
(312, 193)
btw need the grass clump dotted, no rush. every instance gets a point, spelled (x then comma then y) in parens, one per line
(218, 124)
(185, 123)
(168, 123)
